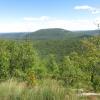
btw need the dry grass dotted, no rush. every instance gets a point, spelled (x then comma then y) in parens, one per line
(44, 90)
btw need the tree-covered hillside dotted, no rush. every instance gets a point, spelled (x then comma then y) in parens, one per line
(70, 63)
(51, 33)
(79, 68)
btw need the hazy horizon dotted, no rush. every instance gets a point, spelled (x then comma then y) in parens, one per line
(45, 29)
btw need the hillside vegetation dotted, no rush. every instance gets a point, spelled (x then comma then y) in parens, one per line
(49, 69)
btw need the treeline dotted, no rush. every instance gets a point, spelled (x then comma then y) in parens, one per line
(19, 59)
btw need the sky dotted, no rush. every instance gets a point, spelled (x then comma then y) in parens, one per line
(31, 15)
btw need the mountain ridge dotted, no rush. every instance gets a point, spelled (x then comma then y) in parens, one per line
(49, 33)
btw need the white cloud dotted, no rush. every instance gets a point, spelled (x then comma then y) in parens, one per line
(73, 24)
(42, 18)
(46, 22)
(85, 7)
(80, 24)
(91, 9)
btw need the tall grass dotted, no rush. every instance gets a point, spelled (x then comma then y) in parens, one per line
(44, 90)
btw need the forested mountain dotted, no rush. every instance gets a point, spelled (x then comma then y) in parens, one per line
(53, 33)
(48, 34)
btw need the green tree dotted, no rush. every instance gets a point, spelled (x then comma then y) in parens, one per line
(52, 66)
(91, 52)
(4, 63)
(69, 71)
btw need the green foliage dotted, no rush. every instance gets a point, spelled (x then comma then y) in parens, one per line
(52, 66)
(76, 65)
(16, 58)
(4, 62)
(70, 72)
(91, 53)
(59, 48)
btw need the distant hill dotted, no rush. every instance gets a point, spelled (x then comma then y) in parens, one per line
(14, 35)
(49, 34)
(53, 33)
(89, 32)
